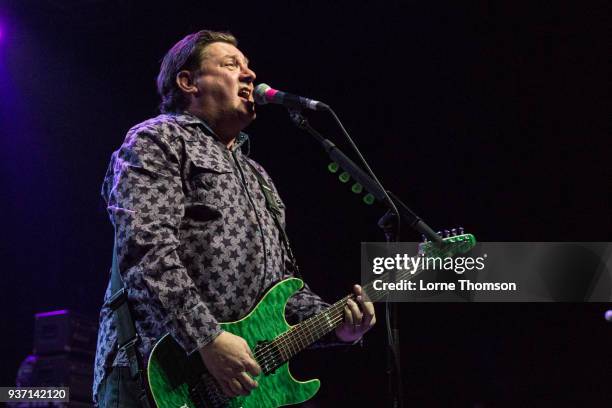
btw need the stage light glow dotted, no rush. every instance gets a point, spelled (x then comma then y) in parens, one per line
(51, 313)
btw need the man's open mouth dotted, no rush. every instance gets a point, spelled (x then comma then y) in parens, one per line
(244, 93)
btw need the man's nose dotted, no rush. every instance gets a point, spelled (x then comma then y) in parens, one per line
(248, 75)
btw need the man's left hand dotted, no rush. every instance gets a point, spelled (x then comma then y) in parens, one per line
(359, 317)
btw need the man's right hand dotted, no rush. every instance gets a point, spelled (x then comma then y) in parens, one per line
(229, 359)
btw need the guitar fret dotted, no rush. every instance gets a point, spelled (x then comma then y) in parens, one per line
(312, 329)
(304, 334)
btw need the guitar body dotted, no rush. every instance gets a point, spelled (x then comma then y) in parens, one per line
(179, 381)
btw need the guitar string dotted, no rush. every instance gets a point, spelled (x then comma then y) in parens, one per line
(310, 322)
(321, 323)
(291, 339)
(291, 343)
(299, 338)
(288, 347)
(274, 361)
(287, 352)
(287, 340)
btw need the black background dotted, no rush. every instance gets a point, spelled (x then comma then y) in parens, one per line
(492, 116)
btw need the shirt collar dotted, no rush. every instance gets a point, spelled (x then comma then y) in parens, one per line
(188, 119)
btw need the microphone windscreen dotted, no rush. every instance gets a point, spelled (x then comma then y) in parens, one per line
(260, 94)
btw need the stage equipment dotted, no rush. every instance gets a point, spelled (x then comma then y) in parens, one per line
(64, 331)
(64, 351)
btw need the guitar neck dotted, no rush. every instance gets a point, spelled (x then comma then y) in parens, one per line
(310, 330)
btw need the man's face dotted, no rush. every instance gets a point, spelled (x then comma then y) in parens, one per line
(225, 83)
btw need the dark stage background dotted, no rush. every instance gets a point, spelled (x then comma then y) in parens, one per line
(493, 116)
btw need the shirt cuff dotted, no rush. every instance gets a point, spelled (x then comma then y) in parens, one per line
(195, 329)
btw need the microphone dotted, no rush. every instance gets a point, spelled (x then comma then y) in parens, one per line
(265, 94)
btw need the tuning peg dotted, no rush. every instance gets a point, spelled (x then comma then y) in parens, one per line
(460, 230)
(333, 167)
(446, 233)
(454, 232)
(357, 188)
(368, 199)
(439, 233)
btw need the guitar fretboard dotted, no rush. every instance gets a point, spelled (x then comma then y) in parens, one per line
(304, 334)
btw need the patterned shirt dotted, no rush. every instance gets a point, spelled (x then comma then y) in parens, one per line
(196, 244)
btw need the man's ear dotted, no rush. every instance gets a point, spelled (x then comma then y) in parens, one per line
(186, 82)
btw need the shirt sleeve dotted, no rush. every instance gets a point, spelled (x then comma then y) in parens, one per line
(146, 205)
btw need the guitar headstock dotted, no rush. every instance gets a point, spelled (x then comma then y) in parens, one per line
(456, 242)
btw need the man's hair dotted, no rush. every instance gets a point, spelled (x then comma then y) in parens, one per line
(184, 55)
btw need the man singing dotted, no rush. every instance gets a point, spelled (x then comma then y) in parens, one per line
(196, 242)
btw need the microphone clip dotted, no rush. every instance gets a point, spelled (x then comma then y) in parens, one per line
(296, 116)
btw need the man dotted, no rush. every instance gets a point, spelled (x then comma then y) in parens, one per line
(196, 243)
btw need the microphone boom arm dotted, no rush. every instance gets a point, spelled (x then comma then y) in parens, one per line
(364, 179)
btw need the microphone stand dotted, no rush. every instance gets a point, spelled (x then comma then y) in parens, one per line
(389, 223)
(390, 200)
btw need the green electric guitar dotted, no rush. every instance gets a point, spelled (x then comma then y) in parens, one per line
(177, 380)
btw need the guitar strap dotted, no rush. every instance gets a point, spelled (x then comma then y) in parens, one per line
(272, 203)
(127, 338)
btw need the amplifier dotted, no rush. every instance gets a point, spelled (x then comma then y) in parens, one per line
(64, 331)
(62, 370)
